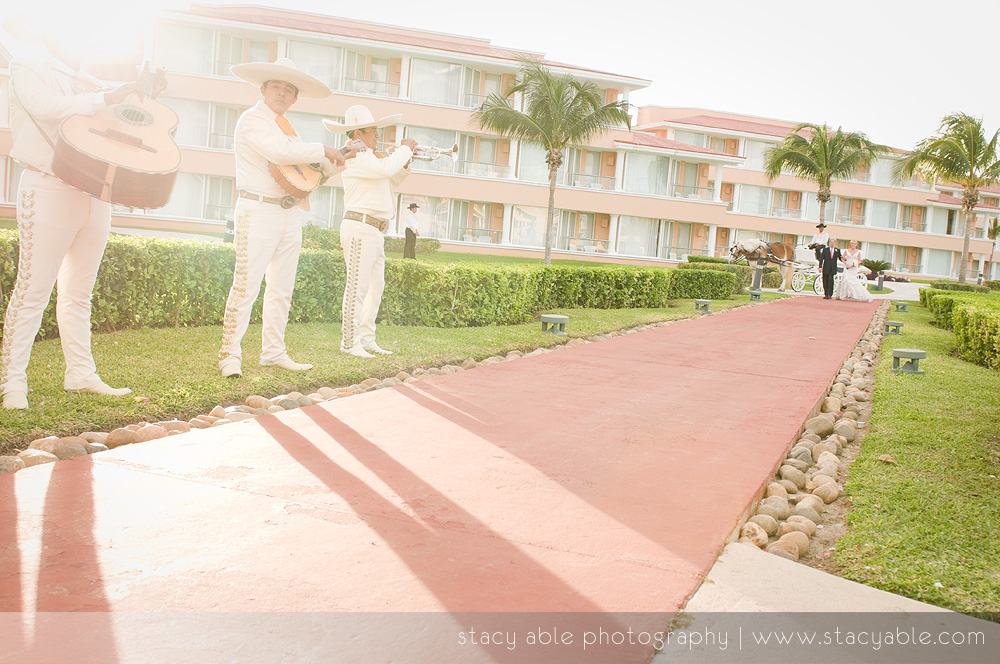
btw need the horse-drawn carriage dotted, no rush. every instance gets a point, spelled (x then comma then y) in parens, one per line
(798, 265)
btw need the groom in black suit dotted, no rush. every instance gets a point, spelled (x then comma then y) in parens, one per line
(829, 256)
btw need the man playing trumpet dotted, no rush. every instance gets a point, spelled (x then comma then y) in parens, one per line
(268, 229)
(369, 198)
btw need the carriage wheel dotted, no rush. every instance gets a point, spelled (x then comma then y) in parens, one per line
(837, 278)
(818, 284)
(799, 281)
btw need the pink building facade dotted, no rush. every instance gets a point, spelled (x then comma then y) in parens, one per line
(683, 181)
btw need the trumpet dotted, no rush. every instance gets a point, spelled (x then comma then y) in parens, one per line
(422, 153)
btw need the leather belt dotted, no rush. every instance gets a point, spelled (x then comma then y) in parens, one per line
(378, 223)
(286, 202)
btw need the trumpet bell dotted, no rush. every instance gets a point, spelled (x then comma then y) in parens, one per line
(423, 153)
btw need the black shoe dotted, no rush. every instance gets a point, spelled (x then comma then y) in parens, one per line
(827, 297)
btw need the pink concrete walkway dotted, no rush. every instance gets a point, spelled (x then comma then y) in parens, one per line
(583, 491)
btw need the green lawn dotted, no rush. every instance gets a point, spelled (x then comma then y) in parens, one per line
(176, 370)
(927, 527)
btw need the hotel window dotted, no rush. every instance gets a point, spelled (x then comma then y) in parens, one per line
(193, 118)
(232, 50)
(433, 216)
(311, 129)
(368, 75)
(637, 236)
(433, 138)
(646, 174)
(753, 200)
(883, 172)
(323, 62)
(576, 230)
(478, 86)
(877, 251)
(219, 198)
(755, 154)
(584, 169)
(531, 165)
(938, 262)
(812, 207)
(471, 222)
(690, 138)
(435, 82)
(224, 120)
(326, 208)
(528, 226)
(184, 49)
(188, 197)
(883, 214)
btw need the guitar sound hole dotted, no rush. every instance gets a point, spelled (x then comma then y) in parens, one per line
(133, 115)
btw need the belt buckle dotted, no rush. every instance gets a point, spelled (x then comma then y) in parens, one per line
(288, 202)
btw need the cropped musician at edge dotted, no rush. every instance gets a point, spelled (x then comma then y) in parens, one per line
(267, 228)
(62, 231)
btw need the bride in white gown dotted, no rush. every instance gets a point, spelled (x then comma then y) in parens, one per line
(851, 287)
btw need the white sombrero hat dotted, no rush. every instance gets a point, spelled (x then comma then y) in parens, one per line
(283, 69)
(359, 117)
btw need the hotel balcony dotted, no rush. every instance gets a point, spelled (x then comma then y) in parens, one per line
(786, 213)
(691, 192)
(585, 244)
(586, 181)
(473, 234)
(482, 169)
(849, 219)
(375, 88)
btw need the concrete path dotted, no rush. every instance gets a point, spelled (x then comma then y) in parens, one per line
(585, 491)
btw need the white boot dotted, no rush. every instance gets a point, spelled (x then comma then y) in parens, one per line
(101, 388)
(374, 348)
(357, 351)
(15, 400)
(288, 364)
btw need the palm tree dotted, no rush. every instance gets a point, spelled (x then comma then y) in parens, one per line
(959, 153)
(813, 152)
(559, 111)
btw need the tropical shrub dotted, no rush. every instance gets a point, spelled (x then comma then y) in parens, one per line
(744, 273)
(955, 286)
(707, 259)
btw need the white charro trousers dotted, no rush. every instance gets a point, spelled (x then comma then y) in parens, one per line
(268, 242)
(364, 254)
(62, 233)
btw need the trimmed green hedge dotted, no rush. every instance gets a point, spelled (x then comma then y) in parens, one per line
(955, 286)
(992, 285)
(327, 239)
(707, 284)
(977, 332)
(744, 273)
(771, 279)
(157, 283)
(707, 259)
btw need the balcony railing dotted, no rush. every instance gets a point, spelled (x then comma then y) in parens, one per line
(917, 226)
(585, 244)
(786, 213)
(691, 192)
(907, 268)
(219, 212)
(587, 181)
(481, 235)
(850, 219)
(481, 169)
(220, 141)
(363, 86)
(681, 253)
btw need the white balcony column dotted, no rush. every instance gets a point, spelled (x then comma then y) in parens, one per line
(513, 159)
(404, 77)
(717, 185)
(508, 222)
(619, 170)
(710, 249)
(613, 234)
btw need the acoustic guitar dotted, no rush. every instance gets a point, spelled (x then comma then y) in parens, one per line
(124, 153)
(299, 180)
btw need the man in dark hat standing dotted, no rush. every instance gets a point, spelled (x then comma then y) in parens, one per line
(410, 247)
(819, 240)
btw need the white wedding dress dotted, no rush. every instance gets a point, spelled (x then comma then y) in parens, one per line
(851, 287)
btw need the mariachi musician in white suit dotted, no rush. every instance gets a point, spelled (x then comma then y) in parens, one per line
(369, 198)
(62, 231)
(268, 228)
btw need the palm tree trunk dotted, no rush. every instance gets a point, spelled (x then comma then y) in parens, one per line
(550, 225)
(964, 264)
(822, 212)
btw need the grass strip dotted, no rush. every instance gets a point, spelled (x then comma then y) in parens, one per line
(926, 527)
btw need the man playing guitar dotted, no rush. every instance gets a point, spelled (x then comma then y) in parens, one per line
(62, 231)
(268, 229)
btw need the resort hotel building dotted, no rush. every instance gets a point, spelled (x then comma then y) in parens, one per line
(682, 182)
